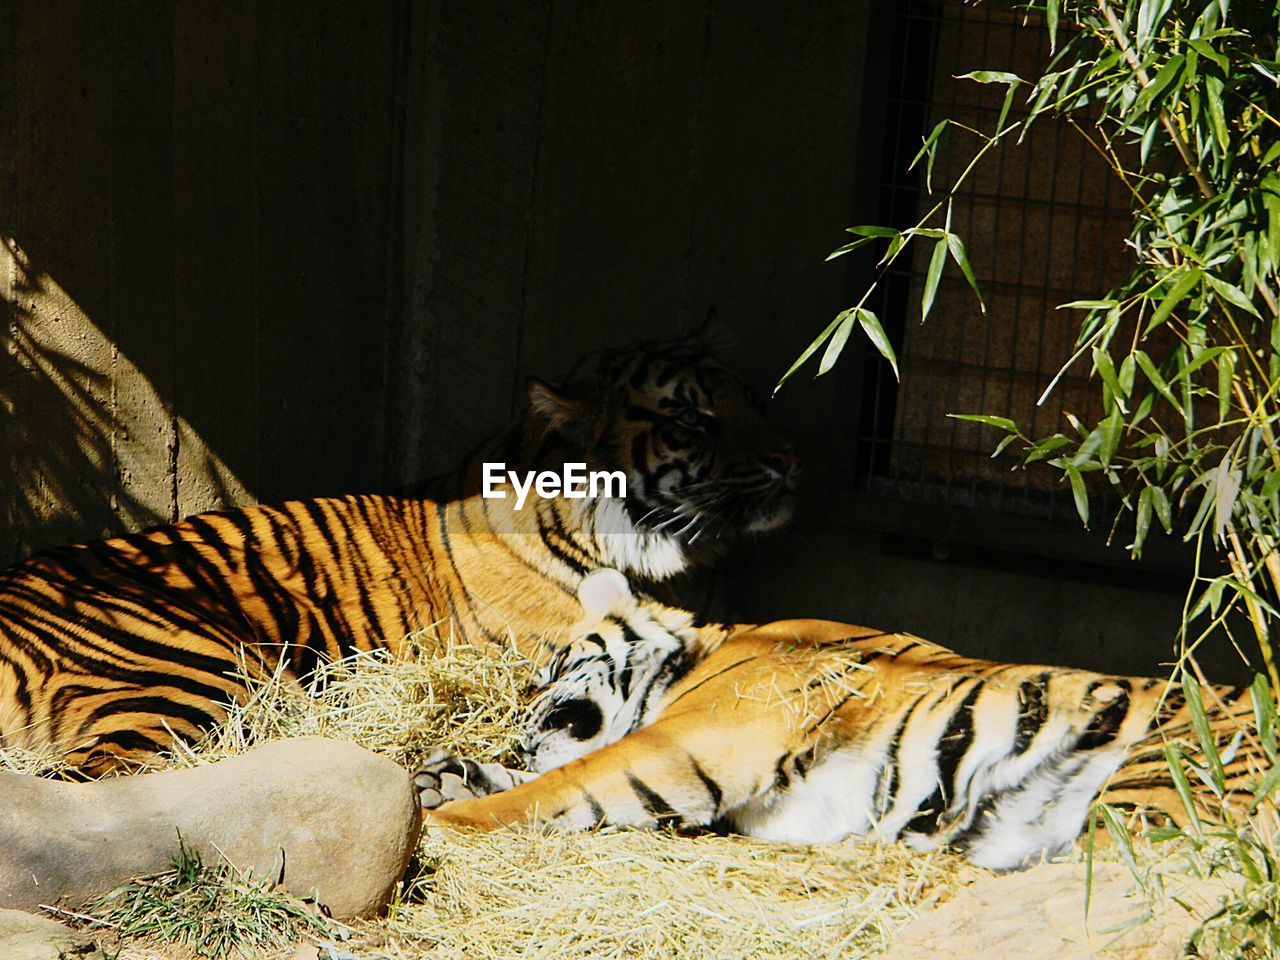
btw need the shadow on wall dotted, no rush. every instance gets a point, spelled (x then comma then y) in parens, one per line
(88, 448)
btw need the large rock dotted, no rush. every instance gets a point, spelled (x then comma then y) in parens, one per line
(331, 819)
(1039, 915)
(24, 937)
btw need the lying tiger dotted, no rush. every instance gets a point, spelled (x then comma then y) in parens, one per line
(811, 731)
(110, 650)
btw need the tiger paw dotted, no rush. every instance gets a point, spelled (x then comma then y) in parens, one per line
(444, 777)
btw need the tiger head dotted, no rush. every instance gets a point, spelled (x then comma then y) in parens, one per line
(702, 463)
(612, 676)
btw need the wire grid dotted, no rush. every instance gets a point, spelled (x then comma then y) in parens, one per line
(1043, 223)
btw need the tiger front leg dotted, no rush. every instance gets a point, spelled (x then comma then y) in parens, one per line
(726, 734)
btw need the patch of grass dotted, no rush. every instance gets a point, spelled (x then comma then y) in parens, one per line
(212, 910)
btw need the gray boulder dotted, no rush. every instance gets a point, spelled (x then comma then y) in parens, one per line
(329, 819)
(24, 937)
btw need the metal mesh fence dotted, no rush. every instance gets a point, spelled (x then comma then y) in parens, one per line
(1044, 223)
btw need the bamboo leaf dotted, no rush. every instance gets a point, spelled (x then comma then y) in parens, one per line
(873, 231)
(1226, 377)
(1123, 842)
(1177, 293)
(1110, 430)
(1217, 117)
(871, 326)
(1157, 381)
(849, 247)
(1204, 733)
(1173, 757)
(1163, 81)
(1142, 523)
(811, 349)
(936, 263)
(1264, 712)
(1088, 305)
(836, 344)
(1078, 492)
(1004, 423)
(1233, 295)
(1160, 501)
(956, 246)
(990, 76)
(930, 150)
(1106, 369)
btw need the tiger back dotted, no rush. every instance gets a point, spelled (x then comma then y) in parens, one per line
(110, 650)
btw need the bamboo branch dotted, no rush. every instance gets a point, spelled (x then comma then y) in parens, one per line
(1184, 150)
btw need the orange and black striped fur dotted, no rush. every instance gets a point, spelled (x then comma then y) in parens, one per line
(109, 650)
(811, 731)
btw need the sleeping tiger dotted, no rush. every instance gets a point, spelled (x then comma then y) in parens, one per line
(811, 731)
(110, 650)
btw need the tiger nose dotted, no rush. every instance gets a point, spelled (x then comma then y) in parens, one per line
(780, 461)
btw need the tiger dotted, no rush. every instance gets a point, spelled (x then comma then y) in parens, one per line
(112, 651)
(811, 731)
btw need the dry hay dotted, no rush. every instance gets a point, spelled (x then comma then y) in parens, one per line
(635, 894)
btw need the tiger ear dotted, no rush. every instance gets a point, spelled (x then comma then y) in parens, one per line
(555, 404)
(602, 592)
(711, 335)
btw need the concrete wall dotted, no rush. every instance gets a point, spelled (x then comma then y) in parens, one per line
(197, 205)
(261, 249)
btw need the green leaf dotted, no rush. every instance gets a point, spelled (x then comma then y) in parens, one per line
(1088, 305)
(849, 247)
(1160, 500)
(1177, 293)
(1263, 790)
(1106, 369)
(811, 349)
(1004, 423)
(1111, 429)
(873, 231)
(1151, 94)
(836, 343)
(1128, 367)
(1157, 381)
(990, 76)
(1226, 377)
(1264, 712)
(1143, 522)
(1002, 444)
(997, 76)
(929, 141)
(936, 263)
(1205, 49)
(929, 149)
(1204, 732)
(875, 333)
(1005, 107)
(1173, 757)
(1122, 839)
(1042, 449)
(1078, 493)
(956, 247)
(1233, 295)
(1217, 118)
(1052, 9)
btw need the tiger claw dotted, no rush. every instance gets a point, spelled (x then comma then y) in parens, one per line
(444, 777)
